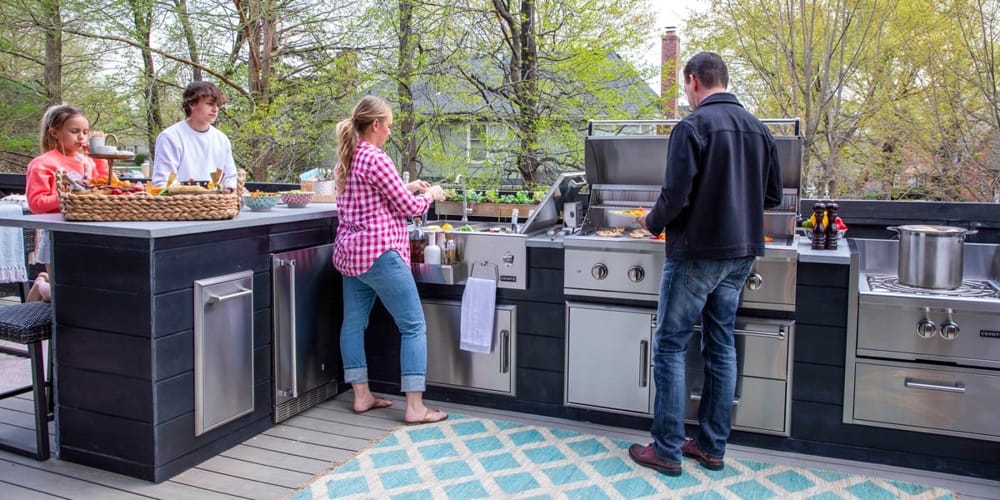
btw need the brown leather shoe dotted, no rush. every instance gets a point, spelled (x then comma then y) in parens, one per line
(690, 449)
(646, 457)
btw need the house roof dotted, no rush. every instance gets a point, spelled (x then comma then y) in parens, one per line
(452, 95)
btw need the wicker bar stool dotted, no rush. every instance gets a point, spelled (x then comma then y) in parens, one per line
(29, 324)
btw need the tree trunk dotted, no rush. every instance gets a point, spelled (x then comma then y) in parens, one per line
(404, 81)
(52, 16)
(260, 26)
(185, 20)
(527, 95)
(143, 17)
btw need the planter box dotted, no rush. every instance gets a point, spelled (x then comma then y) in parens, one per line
(502, 210)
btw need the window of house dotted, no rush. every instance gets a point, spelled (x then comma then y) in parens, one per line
(478, 143)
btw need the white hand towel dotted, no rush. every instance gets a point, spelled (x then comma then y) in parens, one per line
(478, 310)
(12, 268)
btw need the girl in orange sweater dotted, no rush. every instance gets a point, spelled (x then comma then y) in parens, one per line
(63, 138)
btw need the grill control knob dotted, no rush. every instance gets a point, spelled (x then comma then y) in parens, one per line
(636, 274)
(599, 271)
(926, 328)
(755, 281)
(949, 330)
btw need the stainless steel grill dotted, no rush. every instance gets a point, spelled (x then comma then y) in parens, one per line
(626, 172)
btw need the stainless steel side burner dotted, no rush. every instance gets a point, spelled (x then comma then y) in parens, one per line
(969, 288)
(920, 359)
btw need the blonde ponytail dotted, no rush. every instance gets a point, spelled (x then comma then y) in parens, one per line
(370, 108)
(347, 136)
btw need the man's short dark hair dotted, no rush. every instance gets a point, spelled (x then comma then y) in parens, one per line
(709, 68)
(198, 89)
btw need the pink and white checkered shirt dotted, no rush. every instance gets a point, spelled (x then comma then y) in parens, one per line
(372, 212)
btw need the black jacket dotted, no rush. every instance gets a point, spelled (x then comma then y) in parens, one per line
(722, 173)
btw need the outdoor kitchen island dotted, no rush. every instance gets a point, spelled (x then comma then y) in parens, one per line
(126, 331)
(817, 378)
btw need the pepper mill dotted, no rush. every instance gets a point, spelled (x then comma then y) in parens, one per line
(818, 231)
(831, 226)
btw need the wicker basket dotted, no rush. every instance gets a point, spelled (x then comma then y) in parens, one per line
(78, 206)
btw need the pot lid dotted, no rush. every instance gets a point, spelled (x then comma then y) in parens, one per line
(921, 228)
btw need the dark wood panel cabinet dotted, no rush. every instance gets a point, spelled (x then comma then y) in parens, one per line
(124, 318)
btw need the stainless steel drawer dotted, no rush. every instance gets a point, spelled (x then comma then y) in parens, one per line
(954, 401)
(760, 404)
(762, 347)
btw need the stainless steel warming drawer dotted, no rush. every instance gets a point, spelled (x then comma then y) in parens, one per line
(954, 401)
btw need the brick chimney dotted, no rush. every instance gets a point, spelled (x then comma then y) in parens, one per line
(670, 60)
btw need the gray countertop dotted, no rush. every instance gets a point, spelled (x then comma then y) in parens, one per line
(149, 229)
(842, 255)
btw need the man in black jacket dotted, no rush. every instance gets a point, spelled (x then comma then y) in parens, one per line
(722, 173)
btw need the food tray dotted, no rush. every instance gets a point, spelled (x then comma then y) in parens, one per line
(95, 207)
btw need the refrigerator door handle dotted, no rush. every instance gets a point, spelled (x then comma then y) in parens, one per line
(291, 328)
(285, 335)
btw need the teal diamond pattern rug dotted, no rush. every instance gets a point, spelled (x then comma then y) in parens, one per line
(465, 458)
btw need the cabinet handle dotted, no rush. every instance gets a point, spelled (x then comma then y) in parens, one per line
(695, 396)
(912, 384)
(215, 299)
(504, 351)
(643, 363)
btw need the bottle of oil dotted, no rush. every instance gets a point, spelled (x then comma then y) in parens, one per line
(818, 230)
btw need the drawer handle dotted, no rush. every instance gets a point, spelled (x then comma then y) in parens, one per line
(694, 396)
(958, 387)
(505, 351)
(215, 299)
(643, 363)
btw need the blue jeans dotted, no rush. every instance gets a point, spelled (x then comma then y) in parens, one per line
(690, 290)
(391, 280)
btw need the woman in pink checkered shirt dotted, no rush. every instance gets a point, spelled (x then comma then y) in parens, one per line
(372, 252)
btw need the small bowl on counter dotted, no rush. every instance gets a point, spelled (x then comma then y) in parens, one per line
(261, 202)
(296, 199)
(807, 231)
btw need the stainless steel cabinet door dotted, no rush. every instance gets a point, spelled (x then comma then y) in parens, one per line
(448, 365)
(608, 363)
(223, 350)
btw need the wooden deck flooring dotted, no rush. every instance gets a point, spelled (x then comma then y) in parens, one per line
(275, 463)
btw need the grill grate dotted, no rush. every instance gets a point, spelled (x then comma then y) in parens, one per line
(969, 288)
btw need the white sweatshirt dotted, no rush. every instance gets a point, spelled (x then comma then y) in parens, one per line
(193, 155)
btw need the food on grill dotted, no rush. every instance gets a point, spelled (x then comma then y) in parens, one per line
(632, 212)
(610, 232)
(639, 233)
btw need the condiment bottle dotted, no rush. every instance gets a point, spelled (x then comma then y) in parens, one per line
(432, 254)
(831, 225)
(818, 230)
(451, 252)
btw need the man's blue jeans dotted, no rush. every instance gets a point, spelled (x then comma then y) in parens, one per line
(391, 280)
(693, 290)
